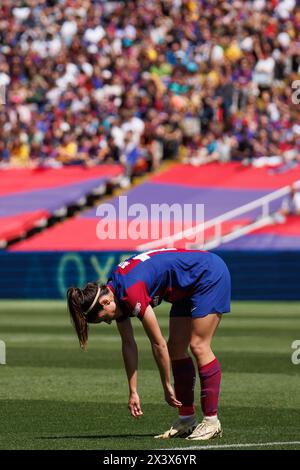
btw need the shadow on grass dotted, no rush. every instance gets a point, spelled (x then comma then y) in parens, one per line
(96, 436)
(53, 425)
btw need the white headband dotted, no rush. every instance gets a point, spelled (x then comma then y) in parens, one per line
(94, 302)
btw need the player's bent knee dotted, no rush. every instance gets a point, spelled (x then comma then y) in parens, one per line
(199, 349)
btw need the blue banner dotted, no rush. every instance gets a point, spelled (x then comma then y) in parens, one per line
(47, 275)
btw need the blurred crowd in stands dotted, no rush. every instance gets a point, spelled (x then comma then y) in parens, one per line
(91, 81)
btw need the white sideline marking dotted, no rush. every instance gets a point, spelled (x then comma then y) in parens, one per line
(231, 446)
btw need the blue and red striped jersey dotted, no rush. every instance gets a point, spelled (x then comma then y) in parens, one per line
(169, 274)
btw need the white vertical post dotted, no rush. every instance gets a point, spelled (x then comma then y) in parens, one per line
(2, 352)
(265, 209)
(218, 231)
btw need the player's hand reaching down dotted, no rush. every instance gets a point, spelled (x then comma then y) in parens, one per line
(170, 397)
(134, 405)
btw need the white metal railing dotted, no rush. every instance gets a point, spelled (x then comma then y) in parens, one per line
(216, 223)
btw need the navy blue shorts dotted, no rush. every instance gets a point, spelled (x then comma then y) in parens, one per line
(212, 295)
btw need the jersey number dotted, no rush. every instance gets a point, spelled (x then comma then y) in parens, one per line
(144, 256)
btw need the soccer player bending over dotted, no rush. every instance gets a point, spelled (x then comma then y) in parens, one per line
(197, 284)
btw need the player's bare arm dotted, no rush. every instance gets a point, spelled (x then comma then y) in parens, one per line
(160, 353)
(130, 357)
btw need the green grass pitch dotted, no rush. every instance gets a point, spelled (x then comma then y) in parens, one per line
(53, 396)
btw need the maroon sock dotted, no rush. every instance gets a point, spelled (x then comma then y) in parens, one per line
(184, 384)
(210, 379)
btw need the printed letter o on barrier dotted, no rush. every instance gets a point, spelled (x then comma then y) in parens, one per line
(65, 260)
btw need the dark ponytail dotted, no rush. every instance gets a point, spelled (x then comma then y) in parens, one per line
(79, 301)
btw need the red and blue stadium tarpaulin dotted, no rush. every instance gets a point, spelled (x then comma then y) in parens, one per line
(27, 196)
(220, 188)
